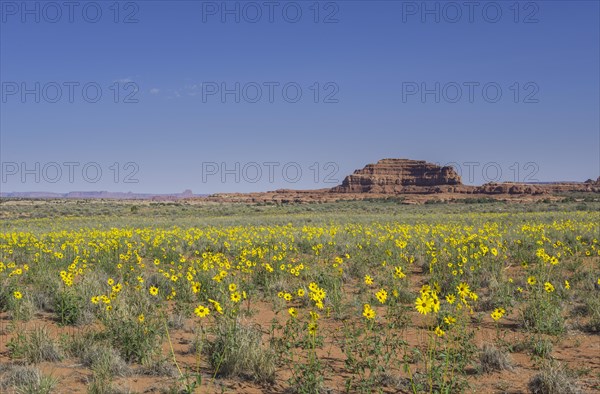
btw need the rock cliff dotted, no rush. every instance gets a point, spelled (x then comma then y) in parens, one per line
(397, 176)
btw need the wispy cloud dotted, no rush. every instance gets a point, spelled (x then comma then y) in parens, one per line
(189, 90)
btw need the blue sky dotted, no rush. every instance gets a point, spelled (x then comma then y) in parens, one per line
(162, 117)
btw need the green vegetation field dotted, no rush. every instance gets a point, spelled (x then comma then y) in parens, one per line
(355, 296)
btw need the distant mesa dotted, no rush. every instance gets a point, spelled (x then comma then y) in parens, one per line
(397, 176)
(404, 176)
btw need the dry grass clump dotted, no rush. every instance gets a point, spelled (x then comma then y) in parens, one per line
(25, 380)
(552, 379)
(238, 351)
(493, 359)
(35, 347)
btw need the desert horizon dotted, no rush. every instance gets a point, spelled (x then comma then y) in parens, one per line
(187, 193)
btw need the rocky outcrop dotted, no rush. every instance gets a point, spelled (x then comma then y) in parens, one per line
(537, 188)
(392, 176)
(508, 188)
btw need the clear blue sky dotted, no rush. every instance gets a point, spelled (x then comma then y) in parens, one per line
(366, 69)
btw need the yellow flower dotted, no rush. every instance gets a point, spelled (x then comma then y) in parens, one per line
(153, 290)
(449, 320)
(368, 280)
(398, 273)
(17, 295)
(300, 292)
(451, 298)
(216, 305)
(548, 287)
(531, 280)
(95, 300)
(201, 311)
(423, 305)
(287, 296)
(496, 315)
(110, 281)
(439, 332)
(293, 312)
(141, 318)
(435, 303)
(567, 285)
(368, 312)
(463, 290)
(232, 287)
(312, 328)
(381, 296)
(236, 297)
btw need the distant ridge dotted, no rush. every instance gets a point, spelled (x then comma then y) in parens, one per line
(102, 195)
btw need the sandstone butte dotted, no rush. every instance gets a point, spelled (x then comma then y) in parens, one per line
(413, 181)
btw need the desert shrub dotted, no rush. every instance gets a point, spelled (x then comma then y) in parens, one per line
(135, 341)
(35, 346)
(176, 321)
(158, 367)
(543, 316)
(552, 379)
(493, 359)
(67, 307)
(237, 350)
(19, 375)
(27, 380)
(541, 347)
(105, 363)
(592, 311)
(105, 359)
